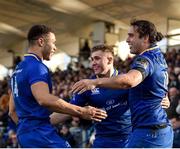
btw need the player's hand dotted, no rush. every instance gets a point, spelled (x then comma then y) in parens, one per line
(91, 113)
(83, 85)
(165, 103)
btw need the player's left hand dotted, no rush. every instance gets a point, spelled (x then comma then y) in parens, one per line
(83, 85)
(165, 103)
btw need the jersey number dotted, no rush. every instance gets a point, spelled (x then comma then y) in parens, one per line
(166, 79)
(14, 87)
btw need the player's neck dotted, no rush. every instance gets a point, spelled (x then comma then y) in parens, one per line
(35, 51)
(144, 47)
(149, 48)
(108, 74)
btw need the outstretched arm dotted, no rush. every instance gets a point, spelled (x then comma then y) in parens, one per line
(122, 81)
(41, 93)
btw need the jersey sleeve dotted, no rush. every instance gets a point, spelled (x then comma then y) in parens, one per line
(144, 65)
(38, 73)
(79, 99)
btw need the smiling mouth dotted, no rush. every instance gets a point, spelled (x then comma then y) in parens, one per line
(51, 53)
(130, 46)
(95, 68)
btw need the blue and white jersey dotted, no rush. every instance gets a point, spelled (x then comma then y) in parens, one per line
(28, 72)
(145, 99)
(115, 103)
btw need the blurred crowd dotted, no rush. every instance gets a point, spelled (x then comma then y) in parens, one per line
(173, 61)
(80, 133)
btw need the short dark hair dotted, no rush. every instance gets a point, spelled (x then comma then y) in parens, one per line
(147, 28)
(37, 31)
(104, 48)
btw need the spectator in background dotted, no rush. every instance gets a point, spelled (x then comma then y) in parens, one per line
(173, 82)
(85, 51)
(3, 144)
(16, 61)
(4, 86)
(12, 140)
(178, 108)
(76, 131)
(4, 104)
(176, 128)
(66, 134)
(174, 97)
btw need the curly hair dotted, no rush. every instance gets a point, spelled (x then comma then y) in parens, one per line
(147, 28)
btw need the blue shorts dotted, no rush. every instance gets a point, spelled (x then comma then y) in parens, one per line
(41, 137)
(110, 142)
(150, 138)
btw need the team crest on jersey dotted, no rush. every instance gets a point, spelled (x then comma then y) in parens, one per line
(95, 91)
(142, 61)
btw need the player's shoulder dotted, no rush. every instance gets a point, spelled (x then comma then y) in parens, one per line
(37, 66)
(142, 59)
(151, 54)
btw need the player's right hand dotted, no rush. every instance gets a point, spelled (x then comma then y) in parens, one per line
(91, 113)
(83, 85)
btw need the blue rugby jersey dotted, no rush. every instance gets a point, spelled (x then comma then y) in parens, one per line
(28, 72)
(145, 99)
(115, 102)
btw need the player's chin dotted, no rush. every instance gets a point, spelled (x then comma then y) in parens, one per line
(96, 72)
(47, 58)
(132, 51)
(50, 56)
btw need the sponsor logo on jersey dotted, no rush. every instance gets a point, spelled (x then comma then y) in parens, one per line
(95, 91)
(110, 102)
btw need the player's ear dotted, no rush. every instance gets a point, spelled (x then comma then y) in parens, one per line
(40, 42)
(146, 38)
(110, 60)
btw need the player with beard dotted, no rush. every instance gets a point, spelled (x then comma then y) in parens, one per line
(31, 102)
(147, 81)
